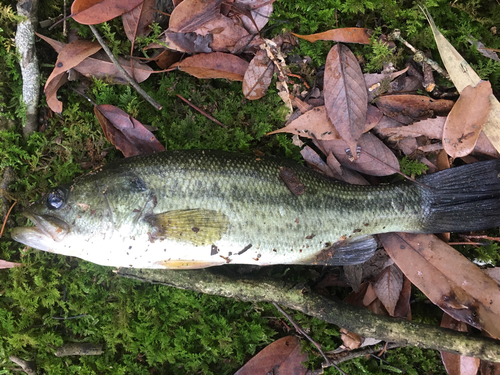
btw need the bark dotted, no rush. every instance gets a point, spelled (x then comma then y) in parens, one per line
(25, 43)
(363, 322)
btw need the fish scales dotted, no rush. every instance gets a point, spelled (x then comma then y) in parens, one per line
(191, 209)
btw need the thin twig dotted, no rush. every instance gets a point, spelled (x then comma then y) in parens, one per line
(484, 237)
(201, 111)
(328, 363)
(6, 217)
(130, 80)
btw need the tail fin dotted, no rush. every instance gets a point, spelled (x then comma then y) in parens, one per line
(465, 198)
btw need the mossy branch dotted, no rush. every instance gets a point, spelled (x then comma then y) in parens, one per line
(361, 321)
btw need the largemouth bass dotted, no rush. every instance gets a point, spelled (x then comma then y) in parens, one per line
(193, 209)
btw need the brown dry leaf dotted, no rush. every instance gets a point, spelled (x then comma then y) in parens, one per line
(6, 264)
(345, 95)
(69, 56)
(99, 66)
(466, 119)
(462, 75)
(125, 132)
(494, 273)
(214, 65)
(258, 76)
(188, 42)
(350, 339)
(388, 287)
(447, 278)
(408, 108)
(345, 174)
(372, 149)
(57, 45)
(403, 308)
(312, 124)
(314, 161)
(137, 21)
(226, 33)
(258, 10)
(379, 83)
(92, 12)
(190, 15)
(282, 357)
(489, 368)
(167, 57)
(487, 52)
(373, 117)
(431, 128)
(343, 35)
(457, 364)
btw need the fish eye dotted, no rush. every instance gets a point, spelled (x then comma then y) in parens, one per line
(56, 199)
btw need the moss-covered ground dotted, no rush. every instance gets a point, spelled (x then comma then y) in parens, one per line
(148, 329)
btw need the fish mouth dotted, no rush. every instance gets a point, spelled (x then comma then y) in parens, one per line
(48, 231)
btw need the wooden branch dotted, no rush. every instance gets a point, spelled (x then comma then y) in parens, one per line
(216, 281)
(78, 348)
(28, 367)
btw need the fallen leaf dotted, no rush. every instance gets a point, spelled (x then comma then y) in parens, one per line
(388, 287)
(214, 65)
(137, 21)
(57, 45)
(489, 368)
(314, 161)
(466, 119)
(190, 15)
(167, 57)
(312, 124)
(457, 364)
(343, 35)
(379, 83)
(345, 174)
(93, 12)
(494, 273)
(431, 128)
(408, 108)
(125, 132)
(462, 75)
(372, 149)
(373, 117)
(489, 53)
(282, 357)
(70, 56)
(447, 278)
(403, 308)
(260, 11)
(258, 76)
(350, 339)
(6, 264)
(345, 95)
(225, 31)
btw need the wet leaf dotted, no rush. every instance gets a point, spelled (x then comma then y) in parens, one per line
(462, 75)
(345, 94)
(313, 124)
(125, 132)
(371, 147)
(92, 12)
(137, 21)
(190, 15)
(70, 56)
(388, 287)
(258, 76)
(409, 108)
(447, 278)
(6, 264)
(214, 65)
(343, 35)
(188, 42)
(282, 357)
(465, 121)
(457, 364)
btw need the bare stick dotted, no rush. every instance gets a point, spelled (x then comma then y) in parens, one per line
(130, 80)
(28, 367)
(201, 111)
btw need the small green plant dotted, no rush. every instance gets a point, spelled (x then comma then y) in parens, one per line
(412, 167)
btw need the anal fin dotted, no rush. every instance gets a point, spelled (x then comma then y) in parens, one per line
(345, 253)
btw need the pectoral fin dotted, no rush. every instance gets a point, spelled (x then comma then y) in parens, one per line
(180, 264)
(198, 227)
(344, 253)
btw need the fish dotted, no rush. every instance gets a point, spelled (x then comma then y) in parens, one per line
(190, 209)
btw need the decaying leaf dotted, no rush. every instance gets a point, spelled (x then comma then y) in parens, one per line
(447, 278)
(462, 75)
(388, 287)
(137, 21)
(343, 35)
(408, 108)
(466, 119)
(226, 33)
(188, 42)
(282, 357)
(253, 13)
(456, 364)
(345, 95)
(125, 132)
(214, 65)
(312, 124)
(258, 76)
(375, 159)
(190, 15)
(92, 12)
(70, 56)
